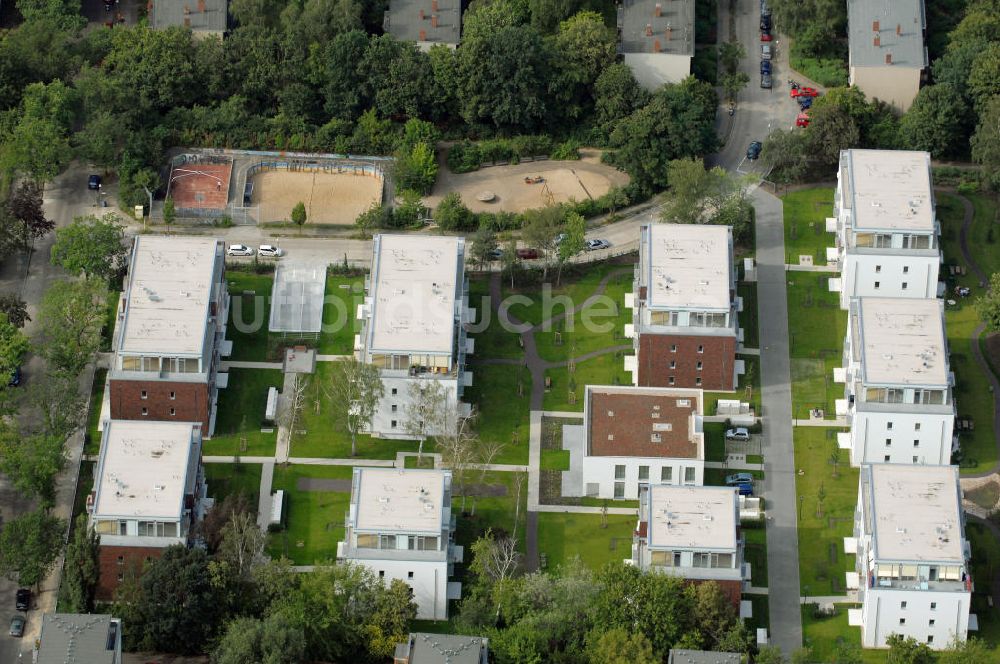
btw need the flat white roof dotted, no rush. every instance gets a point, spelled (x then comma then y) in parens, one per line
(143, 469)
(689, 266)
(692, 517)
(415, 284)
(170, 286)
(916, 513)
(391, 499)
(902, 341)
(890, 190)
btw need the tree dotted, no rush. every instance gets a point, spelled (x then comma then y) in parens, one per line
(494, 562)
(32, 462)
(416, 168)
(692, 190)
(169, 212)
(835, 462)
(831, 129)
(299, 214)
(59, 404)
(36, 147)
(541, 226)
(984, 75)
(796, 16)
(986, 141)
(584, 47)
(29, 546)
(377, 216)
(616, 96)
(731, 53)
(81, 570)
(426, 411)
(731, 84)
(509, 260)
(271, 640)
(786, 155)
(970, 651)
(25, 206)
(451, 214)
(13, 346)
(212, 527)
(91, 246)
(935, 122)
(988, 305)
(846, 652)
(177, 608)
(484, 244)
(820, 499)
(293, 403)
(907, 650)
(769, 655)
(618, 646)
(354, 389)
(574, 241)
(409, 210)
(15, 309)
(70, 319)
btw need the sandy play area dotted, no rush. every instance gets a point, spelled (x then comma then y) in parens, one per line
(566, 180)
(330, 198)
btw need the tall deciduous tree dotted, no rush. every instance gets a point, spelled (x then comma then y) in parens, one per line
(907, 650)
(25, 206)
(936, 122)
(354, 389)
(29, 546)
(618, 646)
(426, 411)
(13, 346)
(81, 571)
(32, 462)
(274, 640)
(541, 227)
(91, 246)
(986, 141)
(70, 319)
(574, 241)
(15, 309)
(988, 305)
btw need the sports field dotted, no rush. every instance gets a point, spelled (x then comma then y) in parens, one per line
(200, 186)
(330, 198)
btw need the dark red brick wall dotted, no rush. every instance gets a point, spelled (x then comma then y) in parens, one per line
(191, 401)
(718, 361)
(133, 558)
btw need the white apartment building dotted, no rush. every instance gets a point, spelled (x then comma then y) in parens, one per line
(632, 436)
(912, 556)
(898, 386)
(400, 526)
(887, 229)
(149, 492)
(413, 328)
(691, 532)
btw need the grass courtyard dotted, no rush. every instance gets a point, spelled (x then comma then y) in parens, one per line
(314, 520)
(816, 329)
(806, 211)
(606, 369)
(561, 537)
(249, 308)
(578, 283)
(92, 443)
(493, 341)
(240, 413)
(340, 322)
(502, 408)
(823, 524)
(225, 479)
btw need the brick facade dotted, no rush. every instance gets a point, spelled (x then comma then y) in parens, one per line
(191, 402)
(718, 358)
(132, 557)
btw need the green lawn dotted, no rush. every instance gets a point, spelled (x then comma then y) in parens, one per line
(599, 325)
(748, 317)
(751, 365)
(822, 636)
(816, 329)
(564, 536)
(224, 479)
(982, 242)
(805, 212)
(340, 323)
(110, 318)
(84, 486)
(555, 460)
(250, 306)
(92, 444)
(606, 369)
(578, 283)
(493, 342)
(760, 612)
(314, 519)
(985, 560)
(502, 412)
(755, 553)
(240, 413)
(822, 561)
(495, 512)
(715, 441)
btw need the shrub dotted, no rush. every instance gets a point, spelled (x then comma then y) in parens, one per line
(566, 151)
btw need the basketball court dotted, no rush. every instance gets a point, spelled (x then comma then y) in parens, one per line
(200, 186)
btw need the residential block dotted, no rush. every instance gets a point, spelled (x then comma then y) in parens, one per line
(656, 40)
(887, 57)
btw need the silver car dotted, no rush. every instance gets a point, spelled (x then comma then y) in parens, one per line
(269, 251)
(239, 250)
(17, 626)
(765, 52)
(594, 245)
(739, 433)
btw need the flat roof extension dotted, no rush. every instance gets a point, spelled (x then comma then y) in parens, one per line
(692, 517)
(889, 190)
(902, 341)
(389, 500)
(689, 265)
(169, 289)
(77, 638)
(643, 422)
(886, 29)
(425, 21)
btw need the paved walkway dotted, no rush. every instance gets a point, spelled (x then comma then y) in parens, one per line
(829, 599)
(264, 499)
(791, 267)
(283, 444)
(239, 364)
(776, 396)
(977, 352)
(839, 422)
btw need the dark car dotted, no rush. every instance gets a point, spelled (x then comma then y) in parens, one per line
(765, 22)
(753, 150)
(94, 182)
(495, 254)
(805, 102)
(527, 253)
(15, 378)
(765, 67)
(22, 601)
(765, 81)
(17, 626)
(744, 489)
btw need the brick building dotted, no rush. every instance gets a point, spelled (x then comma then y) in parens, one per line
(684, 326)
(149, 492)
(170, 332)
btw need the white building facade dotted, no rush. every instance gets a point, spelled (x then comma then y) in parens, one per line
(887, 229)
(413, 328)
(401, 527)
(912, 556)
(632, 436)
(898, 385)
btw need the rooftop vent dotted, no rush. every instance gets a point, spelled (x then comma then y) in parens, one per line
(875, 26)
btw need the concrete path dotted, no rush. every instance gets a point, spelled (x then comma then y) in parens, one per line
(264, 499)
(281, 451)
(779, 454)
(791, 267)
(239, 364)
(839, 422)
(332, 358)
(829, 599)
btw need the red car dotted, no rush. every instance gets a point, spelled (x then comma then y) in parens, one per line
(766, 36)
(802, 120)
(528, 253)
(804, 92)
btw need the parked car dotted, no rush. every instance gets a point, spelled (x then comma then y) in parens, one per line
(803, 92)
(753, 150)
(594, 245)
(765, 51)
(765, 36)
(239, 250)
(739, 478)
(765, 67)
(94, 182)
(495, 254)
(745, 489)
(269, 251)
(765, 22)
(765, 81)
(15, 377)
(805, 102)
(737, 433)
(22, 601)
(17, 626)
(526, 253)
(802, 120)
(764, 9)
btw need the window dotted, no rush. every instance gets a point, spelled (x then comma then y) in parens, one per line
(930, 639)
(677, 558)
(143, 395)
(121, 576)
(620, 472)
(906, 269)
(886, 459)
(698, 366)
(394, 391)
(916, 443)
(902, 605)
(145, 411)
(173, 411)
(878, 268)
(888, 442)
(381, 574)
(904, 285)
(902, 621)
(619, 489)
(121, 560)
(387, 541)
(394, 408)
(933, 606)
(915, 460)
(611, 436)
(673, 364)
(173, 395)
(673, 348)
(667, 474)
(697, 381)
(393, 424)
(670, 380)
(701, 559)
(877, 284)
(701, 349)
(930, 623)
(888, 425)
(689, 474)
(409, 575)
(655, 437)
(643, 473)
(916, 427)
